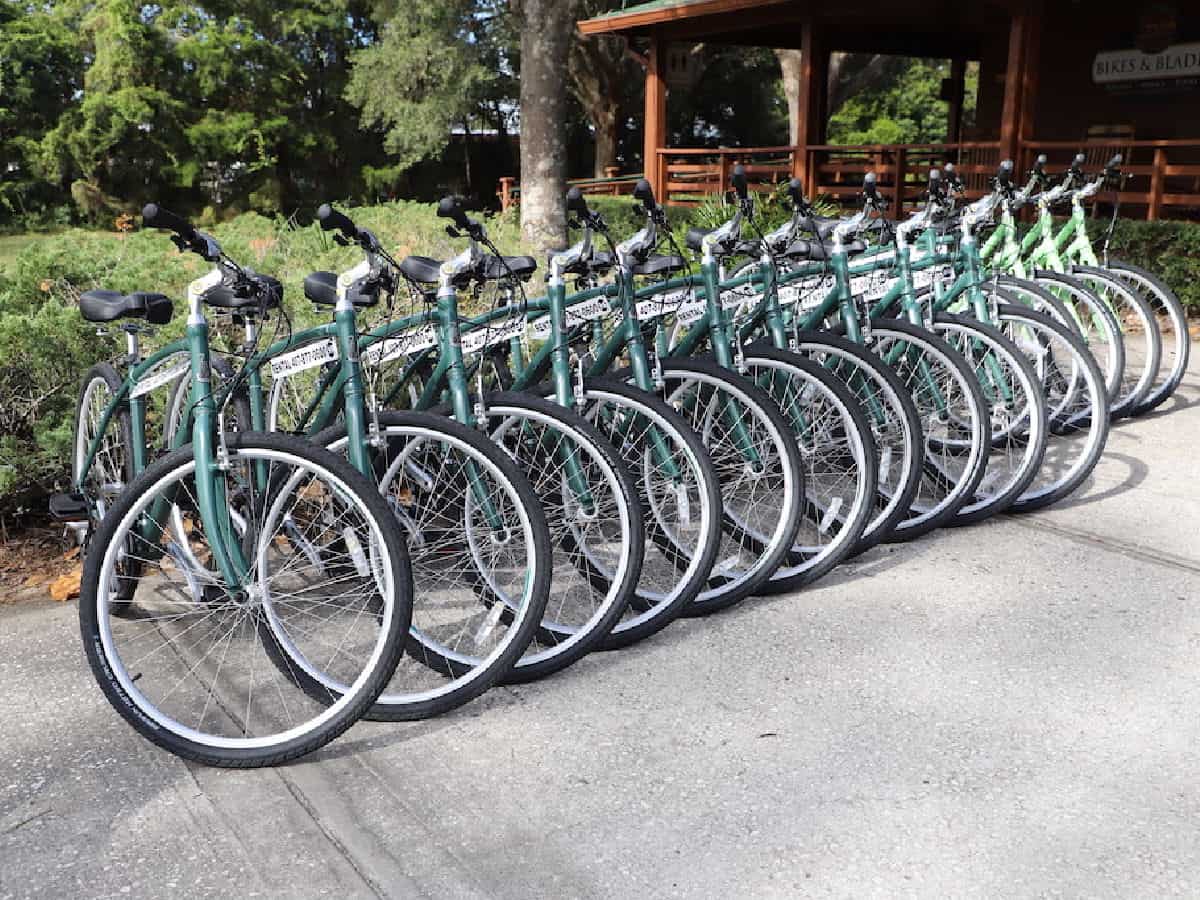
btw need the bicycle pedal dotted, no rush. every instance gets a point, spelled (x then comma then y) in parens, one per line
(69, 507)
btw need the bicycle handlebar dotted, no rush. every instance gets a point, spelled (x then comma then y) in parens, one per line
(154, 216)
(333, 220)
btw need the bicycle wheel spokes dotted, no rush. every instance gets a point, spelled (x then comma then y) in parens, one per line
(678, 489)
(1076, 402)
(1172, 325)
(1016, 410)
(596, 528)
(894, 424)
(759, 469)
(953, 417)
(264, 664)
(839, 462)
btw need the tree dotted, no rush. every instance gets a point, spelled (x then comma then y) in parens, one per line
(600, 69)
(547, 27)
(126, 135)
(422, 79)
(789, 67)
(41, 71)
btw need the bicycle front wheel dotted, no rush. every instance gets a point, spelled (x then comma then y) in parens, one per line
(840, 469)
(759, 468)
(283, 659)
(680, 493)
(954, 421)
(481, 558)
(1076, 403)
(1016, 410)
(596, 522)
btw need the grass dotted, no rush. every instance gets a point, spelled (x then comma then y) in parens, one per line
(11, 246)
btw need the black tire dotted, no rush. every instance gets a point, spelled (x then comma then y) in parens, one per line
(1028, 434)
(400, 701)
(1176, 350)
(898, 431)
(1077, 403)
(101, 378)
(723, 591)
(1093, 321)
(163, 474)
(958, 487)
(689, 566)
(848, 453)
(559, 644)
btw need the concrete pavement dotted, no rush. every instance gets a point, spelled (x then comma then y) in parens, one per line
(1008, 710)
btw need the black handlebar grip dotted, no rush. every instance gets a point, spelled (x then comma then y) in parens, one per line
(869, 184)
(1078, 161)
(739, 182)
(935, 176)
(452, 208)
(332, 220)
(154, 216)
(643, 192)
(1114, 163)
(576, 202)
(1040, 163)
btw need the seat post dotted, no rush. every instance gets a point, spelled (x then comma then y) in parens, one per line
(132, 344)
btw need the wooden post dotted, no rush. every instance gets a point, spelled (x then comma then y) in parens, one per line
(1011, 112)
(655, 117)
(506, 186)
(1021, 76)
(722, 174)
(814, 72)
(1157, 183)
(958, 74)
(898, 199)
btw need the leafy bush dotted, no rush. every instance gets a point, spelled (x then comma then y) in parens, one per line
(45, 346)
(1170, 250)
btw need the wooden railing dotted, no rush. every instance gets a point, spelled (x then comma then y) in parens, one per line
(1162, 177)
(612, 185)
(830, 170)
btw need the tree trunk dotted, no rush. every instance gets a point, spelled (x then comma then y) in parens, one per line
(605, 121)
(789, 64)
(545, 42)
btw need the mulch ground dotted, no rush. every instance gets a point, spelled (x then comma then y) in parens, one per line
(37, 563)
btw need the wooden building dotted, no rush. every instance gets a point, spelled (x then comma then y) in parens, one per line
(1056, 77)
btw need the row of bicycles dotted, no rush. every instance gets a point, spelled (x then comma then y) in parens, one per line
(449, 484)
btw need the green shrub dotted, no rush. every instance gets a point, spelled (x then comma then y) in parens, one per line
(1170, 250)
(45, 346)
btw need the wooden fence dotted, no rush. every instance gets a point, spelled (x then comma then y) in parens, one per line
(1163, 177)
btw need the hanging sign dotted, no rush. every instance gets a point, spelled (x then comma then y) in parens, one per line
(1121, 66)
